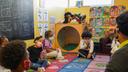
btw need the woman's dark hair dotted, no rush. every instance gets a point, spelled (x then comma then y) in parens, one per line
(68, 13)
(12, 54)
(122, 22)
(47, 34)
(86, 34)
(65, 20)
(37, 38)
(66, 16)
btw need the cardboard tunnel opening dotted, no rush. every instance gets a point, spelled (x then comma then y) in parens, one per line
(68, 38)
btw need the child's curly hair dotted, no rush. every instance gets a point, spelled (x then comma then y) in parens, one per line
(86, 34)
(12, 54)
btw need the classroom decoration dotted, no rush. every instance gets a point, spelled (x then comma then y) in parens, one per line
(104, 18)
(114, 11)
(92, 22)
(40, 15)
(93, 12)
(106, 21)
(122, 9)
(99, 12)
(99, 32)
(79, 3)
(42, 21)
(106, 11)
(99, 22)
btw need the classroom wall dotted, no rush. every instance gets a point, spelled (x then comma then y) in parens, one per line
(121, 2)
(36, 33)
(85, 10)
(58, 12)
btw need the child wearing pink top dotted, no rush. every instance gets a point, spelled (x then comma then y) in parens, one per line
(48, 49)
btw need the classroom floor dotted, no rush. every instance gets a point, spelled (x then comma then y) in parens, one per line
(72, 63)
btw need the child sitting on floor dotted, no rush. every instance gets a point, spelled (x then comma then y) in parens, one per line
(115, 43)
(47, 47)
(86, 45)
(35, 51)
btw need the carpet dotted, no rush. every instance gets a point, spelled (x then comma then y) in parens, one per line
(56, 65)
(77, 65)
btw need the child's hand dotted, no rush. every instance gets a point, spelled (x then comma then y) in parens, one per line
(87, 42)
(89, 55)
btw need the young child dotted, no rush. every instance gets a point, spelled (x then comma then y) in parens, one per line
(35, 51)
(47, 46)
(86, 45)
(115, 43)
(15, 57)
(3, 41)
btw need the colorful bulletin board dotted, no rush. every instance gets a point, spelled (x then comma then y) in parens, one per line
(103, 19)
